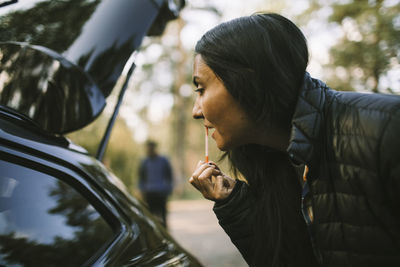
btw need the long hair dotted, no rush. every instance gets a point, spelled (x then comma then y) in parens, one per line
(261, 60)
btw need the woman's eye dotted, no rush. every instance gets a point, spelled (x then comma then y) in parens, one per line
(199, 90)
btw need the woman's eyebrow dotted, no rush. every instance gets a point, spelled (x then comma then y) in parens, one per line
(195, 81)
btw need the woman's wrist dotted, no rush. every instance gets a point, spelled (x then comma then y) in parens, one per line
(234, 191)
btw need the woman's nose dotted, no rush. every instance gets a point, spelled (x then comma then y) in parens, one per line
(196, 112)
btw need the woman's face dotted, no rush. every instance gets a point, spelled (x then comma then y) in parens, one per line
(219, 110)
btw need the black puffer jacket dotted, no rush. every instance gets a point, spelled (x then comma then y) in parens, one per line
(351, 144)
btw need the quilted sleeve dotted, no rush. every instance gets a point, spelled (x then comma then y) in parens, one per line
(236, 217)
(390, 159)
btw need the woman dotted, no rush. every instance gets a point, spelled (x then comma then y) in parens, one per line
(274, 121)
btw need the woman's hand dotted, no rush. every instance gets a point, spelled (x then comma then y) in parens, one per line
(211, 182)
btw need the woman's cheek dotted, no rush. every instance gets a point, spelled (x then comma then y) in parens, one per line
(220, 140)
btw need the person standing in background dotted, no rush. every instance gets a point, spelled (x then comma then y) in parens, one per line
(155, 181)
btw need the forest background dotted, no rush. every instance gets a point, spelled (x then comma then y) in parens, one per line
(354, 45)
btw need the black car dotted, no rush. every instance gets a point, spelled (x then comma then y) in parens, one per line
(59, 206)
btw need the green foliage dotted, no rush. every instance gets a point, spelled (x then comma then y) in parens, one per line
(122, 153)
(370, 44)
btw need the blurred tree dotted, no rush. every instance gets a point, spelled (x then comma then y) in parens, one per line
(122, 154)
(368, 50)
(180, 114)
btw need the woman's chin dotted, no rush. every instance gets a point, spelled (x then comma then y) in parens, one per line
(223, 146)
(220, 146)
(226, 146)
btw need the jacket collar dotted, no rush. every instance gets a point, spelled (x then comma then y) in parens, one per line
(307, 121)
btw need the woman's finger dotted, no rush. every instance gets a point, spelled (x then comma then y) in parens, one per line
(201, 166)
(192, 182)
(207, 173)
(219, 184)
(205, 180)
(199, 163)
(202, 172)
(214, 164)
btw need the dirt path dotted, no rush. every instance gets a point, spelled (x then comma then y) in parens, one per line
(194, 225)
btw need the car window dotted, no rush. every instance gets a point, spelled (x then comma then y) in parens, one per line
(46, 222)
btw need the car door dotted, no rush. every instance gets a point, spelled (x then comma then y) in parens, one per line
(49, 218)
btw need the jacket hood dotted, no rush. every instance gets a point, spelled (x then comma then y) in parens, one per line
(307, 121)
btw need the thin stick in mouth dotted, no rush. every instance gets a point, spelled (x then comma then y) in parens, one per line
(206, 144)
